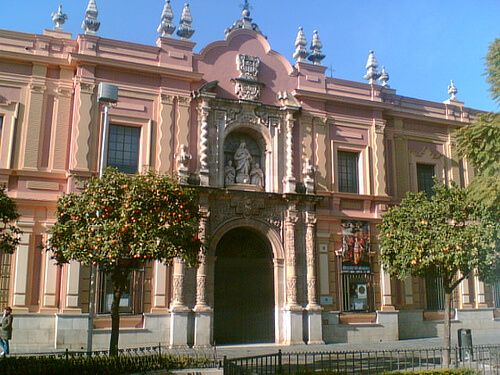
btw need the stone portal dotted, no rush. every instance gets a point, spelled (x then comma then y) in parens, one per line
(244, 289)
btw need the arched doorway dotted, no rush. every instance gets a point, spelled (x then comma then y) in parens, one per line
(244, 289)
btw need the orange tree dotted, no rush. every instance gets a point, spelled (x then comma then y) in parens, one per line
(9, 232)
(120, 222)
(447, 235)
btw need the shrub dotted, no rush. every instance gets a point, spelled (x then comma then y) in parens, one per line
(97, 365)
(444, 371)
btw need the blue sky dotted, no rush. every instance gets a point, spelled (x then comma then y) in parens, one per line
(423, 44)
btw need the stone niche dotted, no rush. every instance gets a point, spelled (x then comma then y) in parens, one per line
(244, 160)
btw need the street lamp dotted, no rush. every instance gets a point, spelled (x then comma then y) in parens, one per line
(107, 96)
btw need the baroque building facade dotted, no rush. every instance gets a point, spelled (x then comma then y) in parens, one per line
(294, 171)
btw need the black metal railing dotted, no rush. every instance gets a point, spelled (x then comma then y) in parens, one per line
(484, 359)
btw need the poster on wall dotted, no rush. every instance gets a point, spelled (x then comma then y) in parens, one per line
(355, 246)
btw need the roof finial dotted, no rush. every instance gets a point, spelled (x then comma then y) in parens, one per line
(59, 18)
(316, 54)
(384, 77)
(452, 90)
(90, 25)
(166, 28)
(245, 22)
(301, 52)
(185, 31)
(372, 73)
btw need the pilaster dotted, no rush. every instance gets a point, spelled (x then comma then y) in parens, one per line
(165, 130)
(385, 288)
(60, 133)
(72, 281)
(83, 122)
(378, 141)
(32, 124)
(480, 297)
(51, 279)
(20, 301)
(160, 303)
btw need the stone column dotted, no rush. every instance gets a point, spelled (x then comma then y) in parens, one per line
(204, 111)
(314, 323)
(20, 301)
(178, 310)
(289, 179)
(293, 312)
(379, 164)
(203, 312)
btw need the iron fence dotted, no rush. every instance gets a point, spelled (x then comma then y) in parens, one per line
(484, 359)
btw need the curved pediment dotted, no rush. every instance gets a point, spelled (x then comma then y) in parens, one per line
(225, 61)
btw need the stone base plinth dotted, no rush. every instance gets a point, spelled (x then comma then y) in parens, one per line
(202, 328)
(292, 320)
(179, 320)
(314, 325)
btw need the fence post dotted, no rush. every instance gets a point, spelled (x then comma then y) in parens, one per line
(67, 354)
(224, 366)
(159, 349)
(280, 362)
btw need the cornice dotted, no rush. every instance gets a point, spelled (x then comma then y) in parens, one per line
(76, 58)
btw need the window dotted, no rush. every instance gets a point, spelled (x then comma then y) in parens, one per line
(132, 297)
(123, 148)
(347, 163)
(496, 294)
(434, 293)
(5, 268)
(425, 176)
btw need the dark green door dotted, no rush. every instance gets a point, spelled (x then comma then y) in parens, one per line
(244, 289)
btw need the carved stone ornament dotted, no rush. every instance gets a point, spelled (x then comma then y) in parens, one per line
(291, 292)
(247, 90)
(248, 66)
(247, 86)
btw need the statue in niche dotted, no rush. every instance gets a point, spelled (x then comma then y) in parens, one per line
(242, 159)
(257, 175)
(229, 173)
(184, 158)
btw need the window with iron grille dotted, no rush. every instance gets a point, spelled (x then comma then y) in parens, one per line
(123, 148)
(347, 166)
(131, 302)
(496, 294)
(425, 178)
(434, 293)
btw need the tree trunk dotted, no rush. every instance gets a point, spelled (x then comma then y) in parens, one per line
(447, 330)
(119, 278)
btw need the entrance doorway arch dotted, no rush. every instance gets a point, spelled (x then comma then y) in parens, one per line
(244, 303)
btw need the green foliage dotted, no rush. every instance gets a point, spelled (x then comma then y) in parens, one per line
(9, 232)
(435, 372)
(439, 236)
(493, 69)
(98, 365)
(480, 144)
(121, 221)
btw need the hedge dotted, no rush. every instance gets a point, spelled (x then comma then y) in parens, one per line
(444, 371)
(97, 365)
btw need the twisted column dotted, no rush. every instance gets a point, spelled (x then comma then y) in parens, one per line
(201, 272)
(311, 260)
(289, 180)
(291, 259)
(178, 302)
(204, 111)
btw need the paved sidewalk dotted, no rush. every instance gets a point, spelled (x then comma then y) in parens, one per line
(251, 350)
